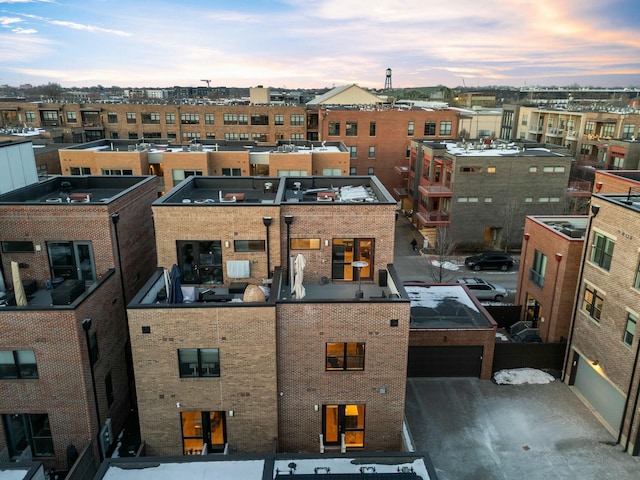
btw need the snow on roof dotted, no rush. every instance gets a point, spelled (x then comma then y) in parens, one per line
(434, 295)
(224, 470)
(13, 474)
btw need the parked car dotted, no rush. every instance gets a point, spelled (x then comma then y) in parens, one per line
(484, 290)
(490, 260)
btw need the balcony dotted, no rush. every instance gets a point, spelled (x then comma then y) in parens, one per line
(432, 189)
(554, 132)
(435, 218)
(579, 188)
(534, 129)
(572, 135)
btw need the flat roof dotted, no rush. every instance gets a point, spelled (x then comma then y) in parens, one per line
(573, 227)
(445, 306)
(203, 191)
(630, 201)
(71, 190)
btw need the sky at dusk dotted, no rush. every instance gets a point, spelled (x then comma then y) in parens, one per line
(320, 43)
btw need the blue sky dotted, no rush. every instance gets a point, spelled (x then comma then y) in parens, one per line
(320, 43)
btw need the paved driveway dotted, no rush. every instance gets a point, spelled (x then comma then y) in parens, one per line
(477, 430)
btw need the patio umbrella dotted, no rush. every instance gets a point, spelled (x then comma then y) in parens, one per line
(299, 265)
(18, 289)
(176, 284)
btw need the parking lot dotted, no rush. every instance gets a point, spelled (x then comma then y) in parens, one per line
(475, 429)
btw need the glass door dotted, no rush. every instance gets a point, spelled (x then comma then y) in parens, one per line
(203, 428)
(343, 419)
(345, 251)
(83, 253)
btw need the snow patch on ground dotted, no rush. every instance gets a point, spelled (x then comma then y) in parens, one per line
(502, 337)
(445, 265)
(521, 376)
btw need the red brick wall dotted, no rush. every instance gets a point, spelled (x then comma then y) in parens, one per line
(246, 337)
(303, 331)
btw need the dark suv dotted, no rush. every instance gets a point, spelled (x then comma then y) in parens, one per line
(490, 260)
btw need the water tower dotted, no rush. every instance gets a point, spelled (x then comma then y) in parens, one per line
(387, 80)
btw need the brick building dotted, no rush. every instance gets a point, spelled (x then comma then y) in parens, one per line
(482, 192)
(64, 236)
(602, 360)
(265, 373)
(548, 274)
(173, 163)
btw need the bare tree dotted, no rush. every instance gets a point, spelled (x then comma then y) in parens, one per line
(443, 249)
(510, 213)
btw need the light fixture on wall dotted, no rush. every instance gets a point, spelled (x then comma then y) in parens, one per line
(227, 244)
(231, 413)
(595, 363)
(326, 243)
(316, 407)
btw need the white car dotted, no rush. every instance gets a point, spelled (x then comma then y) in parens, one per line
(483, 290)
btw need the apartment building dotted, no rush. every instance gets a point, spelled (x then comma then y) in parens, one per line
(173, 163)
(262, 353)
(482, 192)
(69, 269)
(602, 358)
(548, 274)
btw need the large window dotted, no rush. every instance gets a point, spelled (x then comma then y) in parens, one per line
(179, 175)
(593, 301)
(536, 274)
(112, 117)
(259, 119)
(200, 262)
(410, 128)
(79, 171)
(231, 172)
(372, 129)
(636, 284)
(589, 127)
(347, 420)
(627, 131)
(199, 362)
(630, 329)
(429, 128)
(602, 251)
(345, 251)
(72, 117)
(170, 118)
(351, 129)
(200, 429)
(297, 120)
(30, 116)
(445, 128)
(345, 356)
(72, 260)
(131, 117)
(18, 364)
(150, 118)
(19, 246)
(334, 129)
(260, 137)
(209, 118)
(189, 118)
(305, 244)
(278, 119)
(117, 171)
(28, 430)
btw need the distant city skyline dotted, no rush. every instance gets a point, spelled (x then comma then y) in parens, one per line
(321, 43)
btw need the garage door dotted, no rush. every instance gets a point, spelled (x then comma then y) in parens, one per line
(444, 361)
(599, 392)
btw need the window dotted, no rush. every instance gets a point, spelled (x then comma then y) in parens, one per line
(543, 200)
(351, 129)
(72, 260)
(17, 247)
(171, 135)
(190, 135)
(260, 137)
(482, 133)
(243, 136)
(345, 356)
(131, 117)
(150, 118)
(249, 245)
(372, 152)
(292, 173)
(230, 136)
(259, 119)
(108, 387)
(25, 430)
(334, 129)
(353, 171)
(636, 284)
(243, 119)
(589, 127)
(203, 429)
(179, 175)
(488, 199)
(49, 116)
(297, 136)
(297, 120)
(190, 119)
(209, 118)
(410, 129)
(332, 172)
(170, 118)
(94, 352)
(200, 262)
(445, 128)
(116, 171)
(231, 172)
(72, 117)
(210, 135)
(533, 169)
(347, 419)
(608, 130)
(372, 129)
(30, 116)
(305, 244)
(278, 119)
(491, 169)
(627, 131)
(199, 362)
(133, 136)
(528, 199)
(525, 119)
(593, 301)
(18, 364)
(112, 117)
(553, 169)
(79, 171)
(602, 251)
(537, 271)
(230, 119)
(370, 171)
(353, 152)
(630, 329)
(470, 169)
